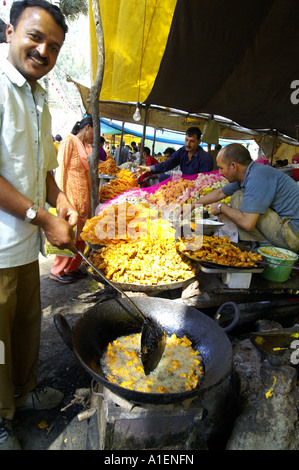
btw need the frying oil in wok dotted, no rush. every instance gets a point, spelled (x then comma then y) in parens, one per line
(179, 370)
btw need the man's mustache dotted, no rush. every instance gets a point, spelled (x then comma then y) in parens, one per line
(36, 55)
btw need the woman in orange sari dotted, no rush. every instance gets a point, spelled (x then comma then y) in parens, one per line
(73, 178)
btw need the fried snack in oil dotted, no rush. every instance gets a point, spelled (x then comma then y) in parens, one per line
(143, 262)
(180, 368)
(220, 250)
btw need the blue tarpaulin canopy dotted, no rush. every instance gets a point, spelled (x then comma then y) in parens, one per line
(114, 128)
(107, 128)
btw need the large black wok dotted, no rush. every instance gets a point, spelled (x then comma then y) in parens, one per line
(108, 320)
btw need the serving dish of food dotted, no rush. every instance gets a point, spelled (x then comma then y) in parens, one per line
(144, 265)
(220, 253)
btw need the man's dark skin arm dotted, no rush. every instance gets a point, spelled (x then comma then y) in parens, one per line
(245, 220)
(58, 230)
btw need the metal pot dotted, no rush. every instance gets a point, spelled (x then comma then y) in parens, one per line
(108, 320)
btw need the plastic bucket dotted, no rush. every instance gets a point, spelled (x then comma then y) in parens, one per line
(277, 256)
(295, 162)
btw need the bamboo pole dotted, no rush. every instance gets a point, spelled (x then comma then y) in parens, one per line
(154, 142)
(121, 147)
(95, 100)
(143, 134)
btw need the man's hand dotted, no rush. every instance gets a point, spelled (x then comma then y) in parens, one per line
(59, 232)
(62, 232)
(65, 210)
(214, 208)
(141, 170)
(245, 220)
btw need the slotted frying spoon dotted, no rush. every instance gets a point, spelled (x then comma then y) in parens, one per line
(153, 337)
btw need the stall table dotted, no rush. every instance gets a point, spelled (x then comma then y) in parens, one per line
(210, 290)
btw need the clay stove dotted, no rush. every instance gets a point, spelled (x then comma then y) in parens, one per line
(122, 425)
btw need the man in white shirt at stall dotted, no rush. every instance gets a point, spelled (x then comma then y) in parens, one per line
(35, 34)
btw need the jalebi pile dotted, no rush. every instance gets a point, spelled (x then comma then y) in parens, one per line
(126, 222)
(138, 246)
(108, 167)
(124, 181)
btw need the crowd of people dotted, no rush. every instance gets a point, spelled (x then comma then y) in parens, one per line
(33, 172)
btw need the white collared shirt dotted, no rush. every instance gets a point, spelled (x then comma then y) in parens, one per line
(27, 153)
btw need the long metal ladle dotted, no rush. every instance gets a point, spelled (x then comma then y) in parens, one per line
(153, 338)
(267, 263)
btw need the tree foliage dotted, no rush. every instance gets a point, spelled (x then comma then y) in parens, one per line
(73, 8)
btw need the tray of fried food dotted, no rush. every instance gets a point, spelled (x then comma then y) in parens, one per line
(220, 254)
(144, 265)
(108, 168)
(124, 222)
(124, 181)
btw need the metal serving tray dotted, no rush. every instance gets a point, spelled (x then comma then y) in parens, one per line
(215, 268)
(107, 177)
(147, 288)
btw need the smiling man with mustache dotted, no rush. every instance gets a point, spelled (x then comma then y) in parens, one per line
(35, 42)
(35, 35)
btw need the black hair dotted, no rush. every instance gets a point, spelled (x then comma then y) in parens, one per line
(236, 153)
(169, 150)
(81, 124)
(134, 146)
(18, 8)
(194, 130)
(147, 150)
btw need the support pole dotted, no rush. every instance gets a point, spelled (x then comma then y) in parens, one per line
(154, 141)
(95, 101)
(144, 134)
(121, 141)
